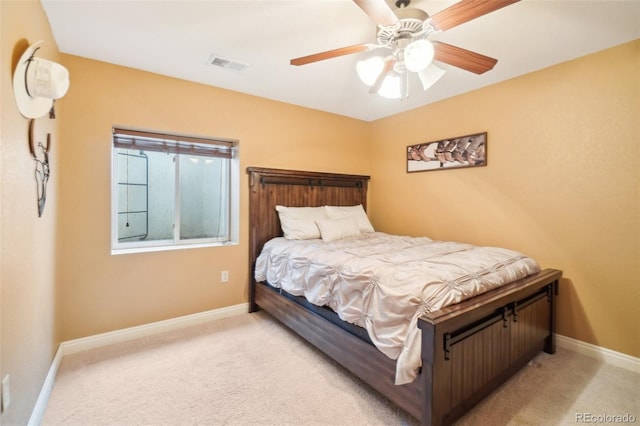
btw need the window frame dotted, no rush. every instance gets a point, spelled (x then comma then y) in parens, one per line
(185, 145)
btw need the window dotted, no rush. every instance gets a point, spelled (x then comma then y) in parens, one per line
(171, 191)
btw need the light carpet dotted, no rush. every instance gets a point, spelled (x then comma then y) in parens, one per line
(250, 370)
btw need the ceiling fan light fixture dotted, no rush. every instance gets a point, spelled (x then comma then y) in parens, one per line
(391, 87)
(430, 75)
(369, 69)
(418, 55)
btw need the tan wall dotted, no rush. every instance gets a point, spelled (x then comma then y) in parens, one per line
(27, 250)
(101, 292)
(562, 183)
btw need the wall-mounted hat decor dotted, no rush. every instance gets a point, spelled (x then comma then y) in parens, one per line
(37, 83)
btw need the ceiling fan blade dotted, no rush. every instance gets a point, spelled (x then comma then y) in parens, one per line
(464, 11)
(388, 65)
(332, 54)
(462, 58)
(378, 10)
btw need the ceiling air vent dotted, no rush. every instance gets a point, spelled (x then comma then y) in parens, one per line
(218, 61)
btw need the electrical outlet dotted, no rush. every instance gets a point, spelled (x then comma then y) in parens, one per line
(6, 393)
(224, 276)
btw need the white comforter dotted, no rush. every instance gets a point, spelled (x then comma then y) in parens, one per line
(385, 282)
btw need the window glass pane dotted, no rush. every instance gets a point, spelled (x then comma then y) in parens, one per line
(132, 195)
(145, 184)
(204, 197)
(162, 195)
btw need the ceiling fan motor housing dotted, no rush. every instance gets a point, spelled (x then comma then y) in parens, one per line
(411, 24)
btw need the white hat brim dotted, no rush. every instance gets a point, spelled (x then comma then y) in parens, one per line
(29, 106)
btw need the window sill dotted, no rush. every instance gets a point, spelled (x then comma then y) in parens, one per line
(148, 249)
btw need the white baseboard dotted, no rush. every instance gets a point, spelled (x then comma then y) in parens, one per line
(607, 355)
(43, 398)
(104, 339)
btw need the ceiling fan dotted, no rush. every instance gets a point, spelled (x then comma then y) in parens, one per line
(403, 35)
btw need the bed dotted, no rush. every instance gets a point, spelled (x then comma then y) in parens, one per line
(467, 350)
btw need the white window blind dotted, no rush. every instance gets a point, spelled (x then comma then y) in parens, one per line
(158, 142)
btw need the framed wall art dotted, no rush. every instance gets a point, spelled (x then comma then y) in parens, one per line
(452, 153)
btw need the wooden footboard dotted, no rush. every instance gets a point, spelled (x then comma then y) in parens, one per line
(470, 349)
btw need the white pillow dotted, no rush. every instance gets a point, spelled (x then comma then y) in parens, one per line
(357, 212)
(299, 223)
(337, 229)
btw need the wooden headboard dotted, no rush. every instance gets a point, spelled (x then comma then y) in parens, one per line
(293, 188)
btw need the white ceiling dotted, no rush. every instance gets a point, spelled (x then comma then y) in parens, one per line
(177, 38)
